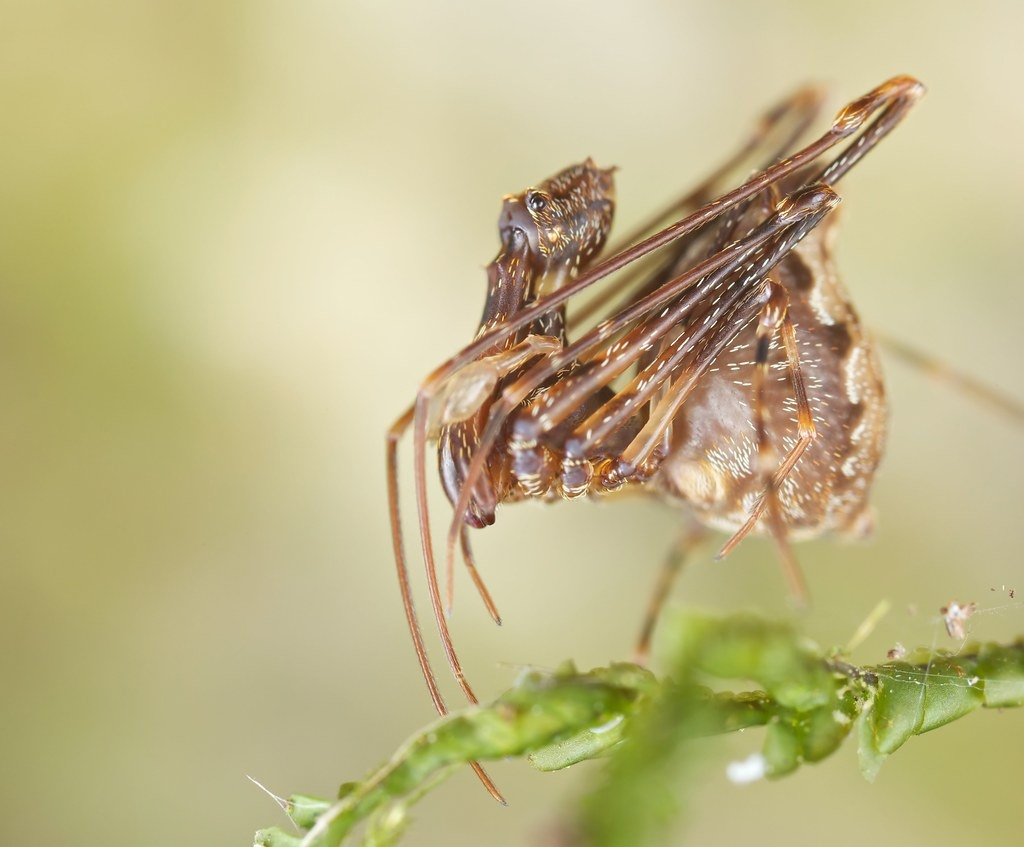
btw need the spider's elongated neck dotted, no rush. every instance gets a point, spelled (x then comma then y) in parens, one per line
(509, 281)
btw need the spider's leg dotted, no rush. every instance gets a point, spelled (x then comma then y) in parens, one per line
(775, 319)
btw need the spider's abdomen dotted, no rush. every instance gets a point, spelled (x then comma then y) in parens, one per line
(712, 463)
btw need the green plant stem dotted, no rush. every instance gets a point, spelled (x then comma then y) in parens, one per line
(807, 699)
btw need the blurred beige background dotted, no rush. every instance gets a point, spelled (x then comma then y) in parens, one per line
(235, 236)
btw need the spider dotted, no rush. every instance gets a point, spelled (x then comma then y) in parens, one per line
(732, 374)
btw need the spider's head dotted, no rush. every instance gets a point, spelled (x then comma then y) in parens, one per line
(566, 218)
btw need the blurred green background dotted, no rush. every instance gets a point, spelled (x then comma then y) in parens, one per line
(233, 238)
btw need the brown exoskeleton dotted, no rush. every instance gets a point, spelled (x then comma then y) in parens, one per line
(733, 376)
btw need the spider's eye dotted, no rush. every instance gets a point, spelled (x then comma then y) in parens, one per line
(536, 201)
